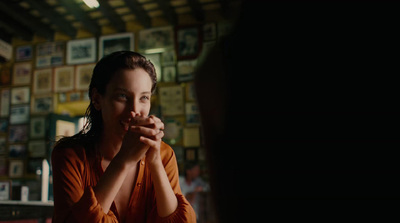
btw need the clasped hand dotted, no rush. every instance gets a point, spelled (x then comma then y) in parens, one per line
(142, 138)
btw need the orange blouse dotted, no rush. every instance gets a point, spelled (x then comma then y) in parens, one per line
(75, 173)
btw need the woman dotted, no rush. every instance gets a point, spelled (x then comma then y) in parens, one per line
(117, 169)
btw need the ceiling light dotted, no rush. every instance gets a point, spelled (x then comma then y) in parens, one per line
(92, 3)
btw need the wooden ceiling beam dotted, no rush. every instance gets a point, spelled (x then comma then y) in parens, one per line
(12, 28)
(140, 14)
(112, 16)
(22, 16)
(48, 12)
(81, 16)
(169, 11)
(197, 10)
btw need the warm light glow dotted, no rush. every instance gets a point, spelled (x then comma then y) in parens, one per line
(92, 3)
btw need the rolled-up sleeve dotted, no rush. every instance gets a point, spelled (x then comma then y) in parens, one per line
(74, 201)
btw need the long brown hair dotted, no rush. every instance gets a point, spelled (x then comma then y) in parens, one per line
(103, 72)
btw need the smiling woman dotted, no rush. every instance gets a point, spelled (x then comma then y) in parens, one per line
(117, 169)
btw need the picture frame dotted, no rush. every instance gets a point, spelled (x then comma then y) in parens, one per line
(81, 51)
(37, 127)
(42, 104)
(173, 130)
(19, 114)
(18, 133)
(156, 39)
(3, 145)
(115, 42)
(192, 114)
(155, 59)
(16, 168)
(5, 75)
(209, 31)
(5, 190)
(169, 74)
(168, 58)
(3, 126)
(22, 73)
(42, 81)
(23, 53)
(186, 69)
(83, 75)
(50, 54)
(5, 102)
(188, 42)
(64, 78)
(20, 95)
(17, 151)
(37, 148)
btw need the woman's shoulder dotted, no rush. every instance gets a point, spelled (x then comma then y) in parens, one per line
(166, 152)
(68, 152)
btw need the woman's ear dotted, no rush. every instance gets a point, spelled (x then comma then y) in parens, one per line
(96, 99)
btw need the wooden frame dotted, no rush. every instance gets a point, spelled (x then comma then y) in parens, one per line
(43, 81)
(156, 39)
(188, 42)
(83, 75)
(22, 73)
(115, 42)
(64, 78)
(81, 51)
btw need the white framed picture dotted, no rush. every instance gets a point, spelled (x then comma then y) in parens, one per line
(37, 127)
(156, 39)
(83, 75)
(42, 104)
(5, 190)
(16, 168)
(19, 114)
(50, 54)
(20, 95)
(43, 81)
(64, 78)
(115, 42)
(22, 73)
(81, 51)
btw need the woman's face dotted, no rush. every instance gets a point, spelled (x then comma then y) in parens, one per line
(128, 90)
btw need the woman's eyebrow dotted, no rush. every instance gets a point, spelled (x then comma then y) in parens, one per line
(127, 91)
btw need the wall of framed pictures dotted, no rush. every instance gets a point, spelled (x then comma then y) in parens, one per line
(47, 78)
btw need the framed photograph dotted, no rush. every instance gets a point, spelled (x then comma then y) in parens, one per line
(22, 73)
(42, 81)
(155, 58)
(209, 31)
(186, 70)
(18, 133)
(169, 74)
(3, 126)
(83, 75)
(156, 39)
(42, 104)
(5, 102)
(37, 148)
(20, 95)
(168, 58)
(19, 114)
(190, 91)
(173, 130)
(188, 42)
(5, 190)
(3, 145)
(64, 78)
(49, 54)
(37, 127)
(5, 75)
(115, 42)
(23, 53)
(17, 151)
(192, 114)
(81, 51)
(171, 100)
(16, 168)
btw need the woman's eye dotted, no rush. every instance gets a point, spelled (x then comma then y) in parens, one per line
(145, 97)
(122, 96)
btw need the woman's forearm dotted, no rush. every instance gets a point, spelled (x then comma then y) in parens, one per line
(110, 183)
(166, 199)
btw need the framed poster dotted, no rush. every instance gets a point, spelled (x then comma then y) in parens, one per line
(156, 39)
(169, 74)
(171, 100)
(3, 145)
(49, 54)
(23, 53)
(16, 168)
(19, 114)
(168, 58)
(3, 126)
(64, 78)
(5, 102)
(20, 95)
(18, 133)
(37, 127)
(186, 69)
(37, 148)
(22, 73)
(115, 42)
(17, 151)
(5, 190)
(188, 42)
(81, 51)
(42, 104)
(155, 59)
(83, 75)
(42, 81)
